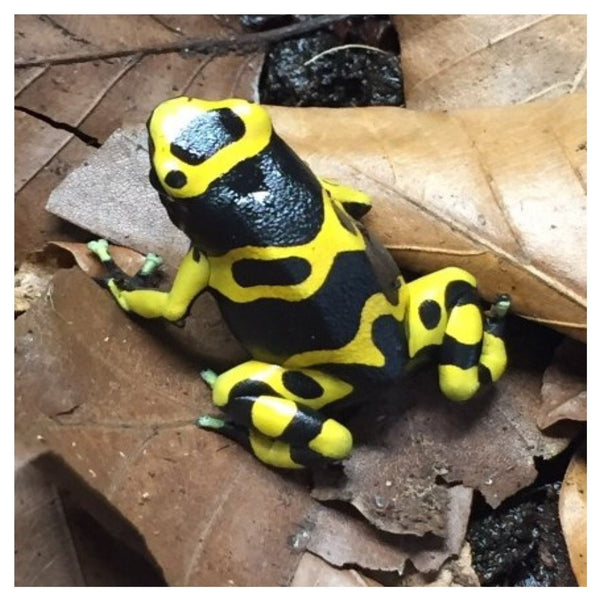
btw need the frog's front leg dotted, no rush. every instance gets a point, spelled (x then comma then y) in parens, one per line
(274, 412)
(357, 204)
(132, 295)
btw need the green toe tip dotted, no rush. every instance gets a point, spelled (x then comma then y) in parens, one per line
(100, 249)
(209, 376)
(151, 263)
(501, 306)
(208, 422)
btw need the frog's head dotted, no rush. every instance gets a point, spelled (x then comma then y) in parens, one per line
(194, 142)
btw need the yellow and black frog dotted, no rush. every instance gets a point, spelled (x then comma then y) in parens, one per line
(318, 303)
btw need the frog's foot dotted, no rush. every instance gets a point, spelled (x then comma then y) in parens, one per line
(210, 422)
(209, 377)
(142, 279)
(225, 427)
(500, 308)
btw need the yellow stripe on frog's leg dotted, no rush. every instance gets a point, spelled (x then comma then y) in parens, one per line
(355, 203)
(473, 353)
(282, 406)
(310, 387)
(191, 279)
(272, 452)
(443, 310)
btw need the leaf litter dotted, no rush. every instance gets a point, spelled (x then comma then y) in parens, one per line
(411, 451)
(136, 440)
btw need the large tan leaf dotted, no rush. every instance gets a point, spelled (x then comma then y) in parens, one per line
(500, 192)
(463, 61)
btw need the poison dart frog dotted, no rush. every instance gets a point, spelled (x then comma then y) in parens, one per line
(316, 300)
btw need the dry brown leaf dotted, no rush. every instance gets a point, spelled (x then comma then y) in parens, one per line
(463, 61)
(117, 406)
(456, 572)
(572, 507)
(129, 260)
(31, 281)
(500, 192)
(116, 403)
(44, 552)
(97, 97)
(345, 539)
(564, 388)
(315, 572)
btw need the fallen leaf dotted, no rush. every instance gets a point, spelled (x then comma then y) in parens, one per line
(93, 98)
(103, 396)
(44, 552)
(463, 61)
(345, 539)
(572, 508)
(116, 402)
(130, 213)
(470, 188)
(31, 281)
(456, 572)
(500, 192)
(564, 393)
(315, 572)
(129, 260)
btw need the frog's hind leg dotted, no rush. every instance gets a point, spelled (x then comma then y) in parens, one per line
(444, 310)
(274, 412)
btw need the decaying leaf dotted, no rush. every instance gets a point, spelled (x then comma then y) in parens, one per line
(572, 508)
(315, 572)
(462, 61)
(44, 552)
(116, 404)
(456, 572)
(564, 393)
(129, 260)
(31, 281)
(500, 192)
(94, 98)
(344, 539)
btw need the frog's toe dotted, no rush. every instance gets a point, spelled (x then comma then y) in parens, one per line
(209, 377)
(210, 422)
(151, 263)
(501, 306)
(100, 249)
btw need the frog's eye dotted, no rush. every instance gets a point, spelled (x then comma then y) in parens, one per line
(206, 134)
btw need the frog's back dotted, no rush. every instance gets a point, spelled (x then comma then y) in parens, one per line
(318, 292)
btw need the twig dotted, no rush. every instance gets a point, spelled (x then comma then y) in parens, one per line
(212, 45)
(345, 47)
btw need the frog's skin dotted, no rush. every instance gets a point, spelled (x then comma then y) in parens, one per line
(319, 304)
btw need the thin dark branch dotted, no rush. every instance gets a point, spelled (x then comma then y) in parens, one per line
(245, 41)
